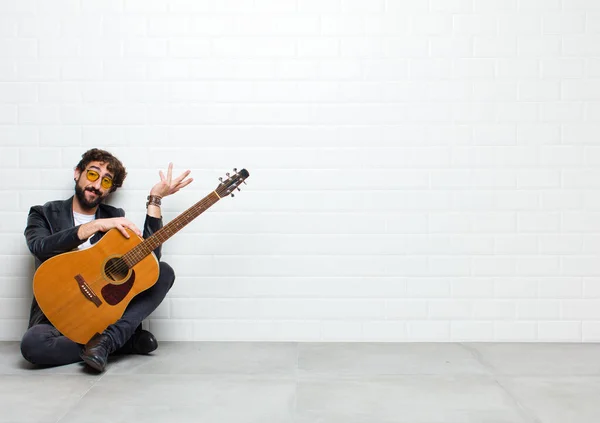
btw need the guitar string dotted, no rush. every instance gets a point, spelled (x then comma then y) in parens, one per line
(122, 267)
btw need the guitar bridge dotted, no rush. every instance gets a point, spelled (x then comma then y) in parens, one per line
(87, 291)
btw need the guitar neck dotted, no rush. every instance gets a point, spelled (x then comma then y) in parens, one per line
(143, 249)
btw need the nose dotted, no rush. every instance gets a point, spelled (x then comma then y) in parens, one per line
(97, 184)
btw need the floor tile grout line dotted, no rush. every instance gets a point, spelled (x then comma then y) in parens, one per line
(521, 408)
(98, 378)
(478, 357)
(296, 381)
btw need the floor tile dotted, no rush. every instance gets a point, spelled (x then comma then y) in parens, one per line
(185, 398)
(13, 363)
(40, 398)
(239, 358)
(408, 399)
(377, 359)
(558, 399)
(540, 359)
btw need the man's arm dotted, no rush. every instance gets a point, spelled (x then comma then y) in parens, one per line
(165, 187)
(151, 225)
(42, 242)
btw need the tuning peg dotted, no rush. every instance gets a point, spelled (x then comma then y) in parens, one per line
(244, 182)
(221, 178)
(232, 194)
(239, 189)
(227, 174)
(235, 169)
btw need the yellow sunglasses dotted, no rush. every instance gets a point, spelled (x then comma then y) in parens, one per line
(92, 176)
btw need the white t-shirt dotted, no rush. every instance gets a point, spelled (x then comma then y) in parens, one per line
(80, 219)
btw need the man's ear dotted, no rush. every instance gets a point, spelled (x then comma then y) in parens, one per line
(76, 174)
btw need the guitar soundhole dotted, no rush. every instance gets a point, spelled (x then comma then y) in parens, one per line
(116, 269)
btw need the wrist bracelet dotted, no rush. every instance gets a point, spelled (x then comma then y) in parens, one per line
(154, 200)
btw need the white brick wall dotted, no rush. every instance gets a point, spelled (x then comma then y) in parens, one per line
(421, 170)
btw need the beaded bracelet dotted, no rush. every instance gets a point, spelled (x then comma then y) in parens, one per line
(154, 200)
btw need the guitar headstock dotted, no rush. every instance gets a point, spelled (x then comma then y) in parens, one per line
(233, 182)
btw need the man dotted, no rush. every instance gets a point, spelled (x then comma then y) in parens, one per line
(79, 222)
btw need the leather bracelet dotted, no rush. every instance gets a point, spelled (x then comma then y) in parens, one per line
(154, 200)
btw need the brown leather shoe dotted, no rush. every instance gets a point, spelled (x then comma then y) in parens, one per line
(96, 351)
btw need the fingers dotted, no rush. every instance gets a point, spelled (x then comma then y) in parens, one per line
(123, 231)
(135, 229)
(125, 224)
(169, 185)
(186, 183)
(182, 176)
(170, 173)
(180, 185)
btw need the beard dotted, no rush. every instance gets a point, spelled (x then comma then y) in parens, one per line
(83, 201)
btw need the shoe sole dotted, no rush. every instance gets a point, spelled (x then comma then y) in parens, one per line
(147, 351)
(93, 363)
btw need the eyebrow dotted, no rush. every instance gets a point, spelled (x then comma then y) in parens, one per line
(96, 167)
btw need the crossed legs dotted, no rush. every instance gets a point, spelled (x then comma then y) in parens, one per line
(44, 345)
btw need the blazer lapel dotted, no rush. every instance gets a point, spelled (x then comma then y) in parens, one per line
(62, 216)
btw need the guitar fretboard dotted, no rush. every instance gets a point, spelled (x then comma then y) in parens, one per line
(143, 249)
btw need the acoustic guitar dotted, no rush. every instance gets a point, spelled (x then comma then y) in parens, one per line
(83, 292)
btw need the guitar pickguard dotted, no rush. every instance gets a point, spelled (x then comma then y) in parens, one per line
(114, 294)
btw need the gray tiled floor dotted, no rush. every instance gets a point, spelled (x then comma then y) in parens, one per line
(313, 383)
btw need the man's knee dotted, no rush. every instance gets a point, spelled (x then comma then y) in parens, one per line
(166, 275)
(33, 345)
(44, 345)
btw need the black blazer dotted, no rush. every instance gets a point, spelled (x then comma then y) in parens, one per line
(51, 231)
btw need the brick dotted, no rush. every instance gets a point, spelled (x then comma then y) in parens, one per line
(516, 244)
(519, 287)
(19, 48)
(562, 68)
(146, 6)
(81, 70)
(88, 26)
(564, 23)
(39, 114)
(428, 331)
(464, 331)
(501, 47)
(450, 310)
(494, 310)
(60, 136)
(559, 331)
(538, 222)
(518, 68)
(539, 91)
(514, 331)
(319, 47)
(469, 287)
(538, 310)
(580, 45)
(431, 24)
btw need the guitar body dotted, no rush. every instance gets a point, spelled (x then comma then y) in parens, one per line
(83, 292)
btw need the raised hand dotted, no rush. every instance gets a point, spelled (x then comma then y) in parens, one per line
(168, 185)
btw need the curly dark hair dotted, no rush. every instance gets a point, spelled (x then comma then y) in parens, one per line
(114, 165)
